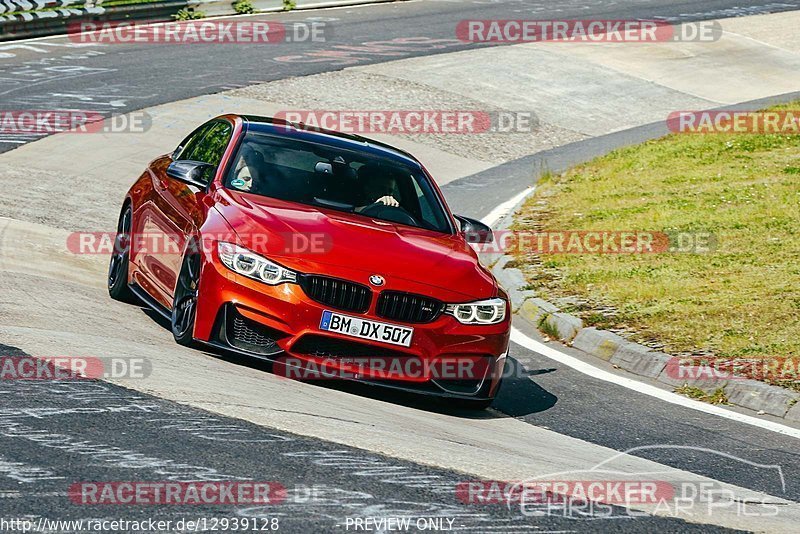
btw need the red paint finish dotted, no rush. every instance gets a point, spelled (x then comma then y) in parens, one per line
(333, 243)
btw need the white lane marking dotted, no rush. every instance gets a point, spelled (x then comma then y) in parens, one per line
(321, 6)
(667, 396)
(505, 208)
(590, 370)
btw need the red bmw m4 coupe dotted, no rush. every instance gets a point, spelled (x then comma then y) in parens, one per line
(330, 254)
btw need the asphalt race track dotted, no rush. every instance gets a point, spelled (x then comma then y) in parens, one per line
(59, 74)
(325, 483)
(337, 449)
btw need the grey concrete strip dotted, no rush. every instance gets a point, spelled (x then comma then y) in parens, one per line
(565, 91)
(357, 89)
(53, 435)
(771, 31)
(733, 69)
(633, 357)
(84, 193)
(597, 88)
(89, 324)
(459, 78)
(478, 194)
(761, 397)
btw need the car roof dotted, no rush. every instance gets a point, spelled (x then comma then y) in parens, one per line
(276, 126)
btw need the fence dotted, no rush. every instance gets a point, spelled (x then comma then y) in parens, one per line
(35, 18)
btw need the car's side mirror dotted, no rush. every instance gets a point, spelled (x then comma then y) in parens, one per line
(475, 231)
(190, 172)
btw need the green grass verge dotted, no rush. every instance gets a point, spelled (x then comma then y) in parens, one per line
(717, 397)
(741, 300)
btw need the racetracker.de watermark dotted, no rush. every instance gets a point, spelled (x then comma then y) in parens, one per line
(621, 492)
(378, 367)
(176, 493)
(105, 243)
(419, 121)
(595, 242)
(73, 368)
(53, 121)
(585, 31)
(784, 122)
(313, 243)
(772, 368)
(144, 525)
(614, 497)
(199, 32)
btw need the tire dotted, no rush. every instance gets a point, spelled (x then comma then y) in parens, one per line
(118, 288)
(184, 303)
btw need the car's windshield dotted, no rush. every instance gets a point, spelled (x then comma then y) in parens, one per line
(334, 178)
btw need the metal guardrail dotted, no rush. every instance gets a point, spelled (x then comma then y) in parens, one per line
(20, 19)
(215, 8)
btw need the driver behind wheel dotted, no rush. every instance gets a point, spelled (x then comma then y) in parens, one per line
(378, 186)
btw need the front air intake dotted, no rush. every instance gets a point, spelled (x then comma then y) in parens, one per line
(337, 293)
(408, 307)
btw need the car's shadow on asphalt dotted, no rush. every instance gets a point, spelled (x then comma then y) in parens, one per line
(157, 318)
(518, 396)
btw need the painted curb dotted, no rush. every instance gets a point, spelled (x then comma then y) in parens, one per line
(622, 353)
(644, 361)
(794, 413)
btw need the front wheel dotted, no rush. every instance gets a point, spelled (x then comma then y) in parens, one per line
(118, 288)
(184, 304)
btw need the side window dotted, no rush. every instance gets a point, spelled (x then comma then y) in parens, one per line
(424, 205)
(212, 146)
(188, 144)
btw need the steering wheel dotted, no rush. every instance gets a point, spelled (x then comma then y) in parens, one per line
(396, 214)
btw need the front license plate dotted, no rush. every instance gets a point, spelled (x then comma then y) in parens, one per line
(366, 329)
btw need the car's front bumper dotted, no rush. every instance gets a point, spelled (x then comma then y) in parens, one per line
(282, 323)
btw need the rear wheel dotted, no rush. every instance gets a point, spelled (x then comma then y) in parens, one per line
(184, 304)
(118, 287)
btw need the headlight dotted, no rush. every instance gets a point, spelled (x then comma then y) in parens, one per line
(249, 264)
(490, 311)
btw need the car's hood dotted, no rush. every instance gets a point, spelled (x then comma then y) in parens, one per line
(323, 241)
